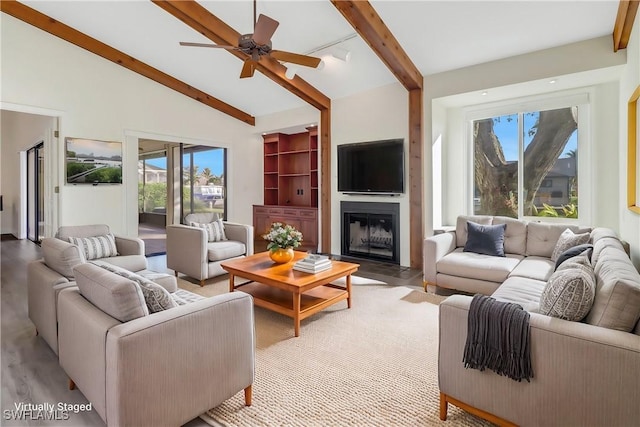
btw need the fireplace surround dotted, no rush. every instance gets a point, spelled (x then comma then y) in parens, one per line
(370, 230)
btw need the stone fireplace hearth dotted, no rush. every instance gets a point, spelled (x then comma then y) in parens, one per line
(370, 230)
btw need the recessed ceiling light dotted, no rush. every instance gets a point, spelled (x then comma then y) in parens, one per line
(552, 81)
(484, 93)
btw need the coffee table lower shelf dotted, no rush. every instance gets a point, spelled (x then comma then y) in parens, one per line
(280, 301)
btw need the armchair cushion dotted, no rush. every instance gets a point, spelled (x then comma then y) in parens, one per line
(61, 256)
(215, 230)
(218, 251)
(156, 297)
(117, 296)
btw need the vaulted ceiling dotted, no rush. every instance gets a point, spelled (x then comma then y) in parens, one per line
(437, 36)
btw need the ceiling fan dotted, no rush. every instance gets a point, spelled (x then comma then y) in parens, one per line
(258, 44)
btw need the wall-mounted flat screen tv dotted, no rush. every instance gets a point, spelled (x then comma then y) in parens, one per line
(93, 162)
(375, 167)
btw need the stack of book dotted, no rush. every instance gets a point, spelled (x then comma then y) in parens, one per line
(313, 264)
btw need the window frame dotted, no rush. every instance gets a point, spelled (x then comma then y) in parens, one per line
(580, 98)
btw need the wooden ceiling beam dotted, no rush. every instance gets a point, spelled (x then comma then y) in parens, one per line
(366, 21)
(216, 30)
(71, 35)
(627, 11)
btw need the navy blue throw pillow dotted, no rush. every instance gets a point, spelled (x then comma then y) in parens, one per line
(574, 251)
(485, 239)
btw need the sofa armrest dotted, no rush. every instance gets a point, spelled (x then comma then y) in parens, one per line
(129, 245)
(575, 365)
(434, 248)
(241, 233)
(187, 250)
(180, 362)
(43, 286)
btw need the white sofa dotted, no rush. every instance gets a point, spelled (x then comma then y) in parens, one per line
(585, 372)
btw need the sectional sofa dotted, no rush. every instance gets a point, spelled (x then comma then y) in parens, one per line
(585, 372)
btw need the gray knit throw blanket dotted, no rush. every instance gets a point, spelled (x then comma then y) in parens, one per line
(498, 338)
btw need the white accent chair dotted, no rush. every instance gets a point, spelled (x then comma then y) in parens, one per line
(159, 369)
(189, 251)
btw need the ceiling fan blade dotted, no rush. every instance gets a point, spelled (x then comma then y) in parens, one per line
(264, 29)
(206, 45)
(248, 69)
(307, 61)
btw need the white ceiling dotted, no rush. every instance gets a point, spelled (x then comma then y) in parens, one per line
(437, 35)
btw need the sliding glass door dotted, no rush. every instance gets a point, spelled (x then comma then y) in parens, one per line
(35, 193)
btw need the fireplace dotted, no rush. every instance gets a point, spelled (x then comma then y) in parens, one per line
(370, 230)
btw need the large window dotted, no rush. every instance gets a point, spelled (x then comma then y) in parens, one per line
(525, 163)
(203, 180)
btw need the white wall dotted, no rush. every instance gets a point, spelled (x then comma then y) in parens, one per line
(20, 131)
(629, 221)
(101, 100)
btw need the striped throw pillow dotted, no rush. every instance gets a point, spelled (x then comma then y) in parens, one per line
(96, 247)
(215, 230)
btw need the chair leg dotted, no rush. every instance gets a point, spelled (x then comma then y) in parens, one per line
(247, 396)
(176, 273)
(443, 406)
(37, 333)
(72, 385)
(202, 283)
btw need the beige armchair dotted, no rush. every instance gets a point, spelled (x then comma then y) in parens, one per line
(189, 251)
(47, 276)
(160, 369)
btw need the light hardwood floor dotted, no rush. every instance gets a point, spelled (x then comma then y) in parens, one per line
(30, 369)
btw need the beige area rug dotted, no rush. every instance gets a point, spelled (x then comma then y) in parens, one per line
(372, 365)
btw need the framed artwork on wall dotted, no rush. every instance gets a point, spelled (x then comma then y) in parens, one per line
(633, 152)
(89, 161)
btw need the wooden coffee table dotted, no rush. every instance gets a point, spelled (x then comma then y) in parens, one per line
(280, 288)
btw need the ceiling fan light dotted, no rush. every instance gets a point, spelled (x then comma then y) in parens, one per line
(341, 54)
(320, 65)
(291, 72)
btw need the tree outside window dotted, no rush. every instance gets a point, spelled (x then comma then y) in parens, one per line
(525, 164)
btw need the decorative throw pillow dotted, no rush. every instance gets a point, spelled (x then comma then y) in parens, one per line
(96, 247)
(574, 251)
(570, 291)
(568, 240)
(156, 297)
(215, 230)
(485, 239)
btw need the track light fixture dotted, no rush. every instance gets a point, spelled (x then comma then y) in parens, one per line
(341, 54)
